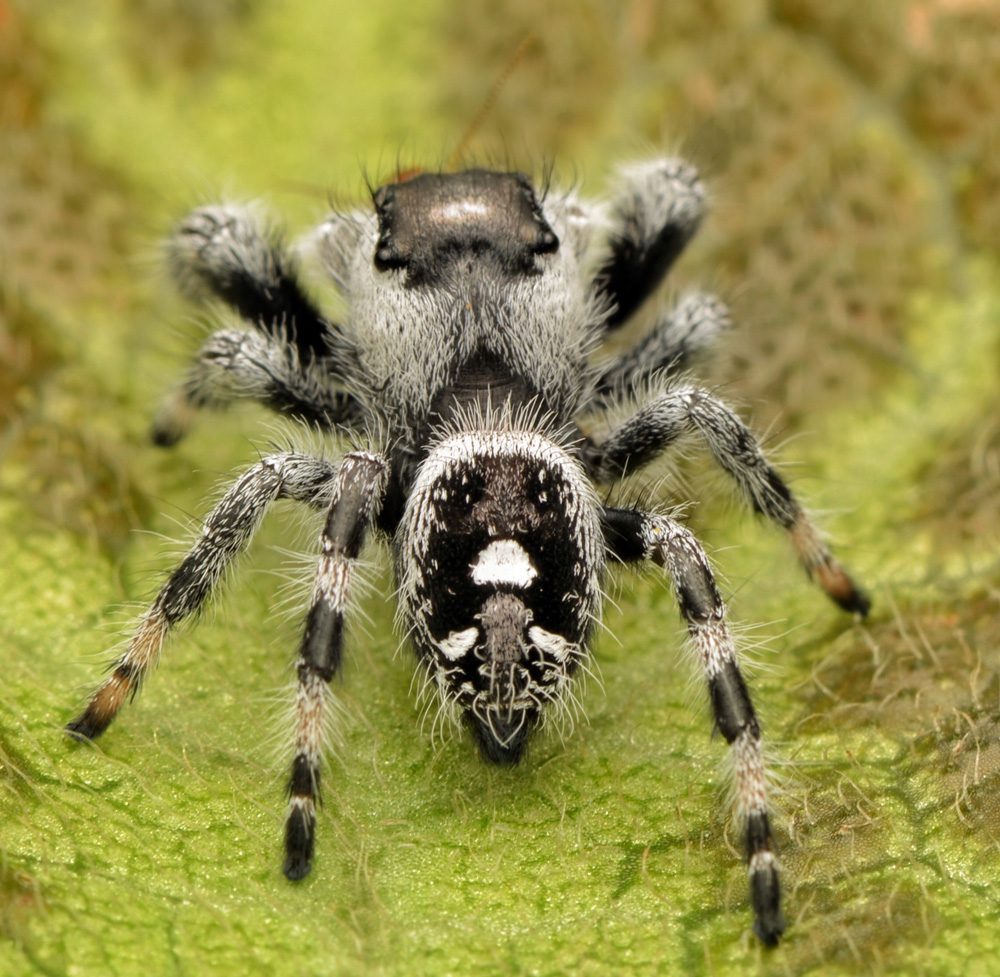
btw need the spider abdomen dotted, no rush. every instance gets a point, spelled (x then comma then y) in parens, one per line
(500, 558)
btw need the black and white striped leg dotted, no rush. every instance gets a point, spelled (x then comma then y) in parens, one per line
(633, 535)
(224, 252)
(225, 535)
(670, 346)
(357, 497)
(655, 212)
(691, 410)
(236, 365)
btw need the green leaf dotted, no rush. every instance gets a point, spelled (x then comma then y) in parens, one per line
(850, 160)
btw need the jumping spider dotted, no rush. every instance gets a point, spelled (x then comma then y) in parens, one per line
(474, 307)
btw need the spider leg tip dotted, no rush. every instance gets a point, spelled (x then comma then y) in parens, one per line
(765, 897)
(842, 590)
(85, 728)
(297, 866)
(853, 600)
(769, 931)
(299, 842)
(163, 436)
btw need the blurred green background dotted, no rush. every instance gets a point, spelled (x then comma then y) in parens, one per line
(853, 154)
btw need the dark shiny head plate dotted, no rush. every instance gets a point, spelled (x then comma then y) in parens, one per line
(428, 222)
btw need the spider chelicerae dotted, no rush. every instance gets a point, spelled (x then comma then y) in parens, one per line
(465, 361)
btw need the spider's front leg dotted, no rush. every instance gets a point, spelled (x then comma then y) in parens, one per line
(631, 536)
(297, 358)
(225, 535)
(224, 252)
(691, 410)
(358, 494)
(656, 210)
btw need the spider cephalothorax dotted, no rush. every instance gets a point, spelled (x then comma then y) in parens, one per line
(474, 309)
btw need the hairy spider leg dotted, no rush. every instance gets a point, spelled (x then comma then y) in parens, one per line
(268, 369)
(668, 348)
(460, 290)
(358, 493)
(222, 252)
(225, 535)
(692, 410)
(655, 212)
(632, 535)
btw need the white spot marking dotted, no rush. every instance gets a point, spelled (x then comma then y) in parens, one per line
(461, 210)
(553, 644)
(504, 561)
(458, 643)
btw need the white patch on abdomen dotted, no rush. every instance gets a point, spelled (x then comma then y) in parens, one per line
(554, 644)
(458, 643)
(504, 561)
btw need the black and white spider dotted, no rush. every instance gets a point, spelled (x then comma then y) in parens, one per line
(474, 309)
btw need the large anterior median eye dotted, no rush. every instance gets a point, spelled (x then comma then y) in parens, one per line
(503, 561)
